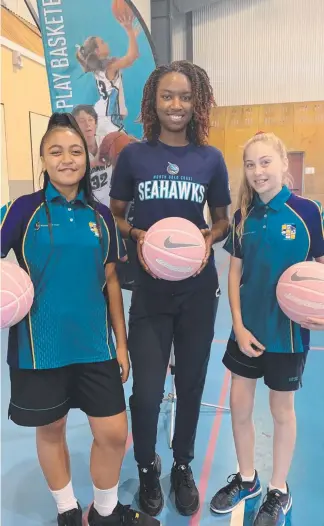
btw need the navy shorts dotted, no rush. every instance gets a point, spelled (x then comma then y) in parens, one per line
(281, 372)
(41, 397)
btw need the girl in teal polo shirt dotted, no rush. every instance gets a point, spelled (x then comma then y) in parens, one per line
(62, 355)
(272, 230)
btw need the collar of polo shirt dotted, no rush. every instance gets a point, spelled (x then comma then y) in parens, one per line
(52, 194)
(276, 203)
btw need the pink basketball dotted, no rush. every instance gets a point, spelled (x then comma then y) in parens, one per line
(174, 249)
(17, 294)
(300, 291)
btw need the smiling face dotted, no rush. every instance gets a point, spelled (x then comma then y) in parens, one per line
(174, 102)
(64, 158)
(264, 169)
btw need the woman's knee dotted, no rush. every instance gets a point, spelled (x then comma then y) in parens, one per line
(110, 431)
(52, 432)
(146, 396)
(282, 406)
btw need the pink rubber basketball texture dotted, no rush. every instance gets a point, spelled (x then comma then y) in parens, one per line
(17, 294)
(300, 291)
(174, 249)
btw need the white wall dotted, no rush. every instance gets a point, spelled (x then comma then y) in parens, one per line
(262, 51)
(178, 35)
(19, 7)
(144, 7)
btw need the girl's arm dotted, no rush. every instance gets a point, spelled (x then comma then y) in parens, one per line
(119, 208)
(317, 251)
(245, 338)
(116, 310)
(11, 226)
(234, 281)
(131, 55)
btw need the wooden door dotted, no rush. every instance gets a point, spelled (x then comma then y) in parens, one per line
(296, 170)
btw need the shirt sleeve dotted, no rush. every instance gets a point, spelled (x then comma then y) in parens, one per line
(122, 184)
(232, 244)
(317, 232)
(218, 193)
(10, 227)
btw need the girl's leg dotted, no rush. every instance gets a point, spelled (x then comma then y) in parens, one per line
(54, 460)
(241, 403)
(245, 484)
(283, 412)
(108, 449)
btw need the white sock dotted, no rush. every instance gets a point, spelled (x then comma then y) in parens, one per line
(65, 499)
(247, 479)
(283, 490)
(105, 500)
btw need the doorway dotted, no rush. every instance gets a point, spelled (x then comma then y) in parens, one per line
(296, 169)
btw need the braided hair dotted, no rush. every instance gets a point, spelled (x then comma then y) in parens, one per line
(203, 101)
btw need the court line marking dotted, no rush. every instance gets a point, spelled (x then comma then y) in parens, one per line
(211, 448)
(213, 437)
(237, 517)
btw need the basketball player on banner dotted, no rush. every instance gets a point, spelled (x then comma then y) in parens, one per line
(94, 56)
(103, 151)
(274, 238)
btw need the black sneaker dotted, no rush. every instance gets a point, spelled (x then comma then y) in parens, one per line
(151, 498)
(70, 518)
(185, 489)
(274, 509)
(236, 491)
(121, 516)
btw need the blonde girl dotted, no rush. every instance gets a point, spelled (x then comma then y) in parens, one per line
(271, 230)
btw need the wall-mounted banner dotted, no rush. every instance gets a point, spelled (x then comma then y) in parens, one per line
(97, 52)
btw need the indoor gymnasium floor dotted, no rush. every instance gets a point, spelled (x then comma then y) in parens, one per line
(26, 501)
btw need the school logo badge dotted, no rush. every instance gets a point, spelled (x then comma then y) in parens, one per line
(288, 231)
(172, 169)
(94, 228)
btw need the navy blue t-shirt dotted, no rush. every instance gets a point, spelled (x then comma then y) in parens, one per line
(168, 181)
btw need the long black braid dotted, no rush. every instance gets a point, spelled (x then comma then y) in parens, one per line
(203, 101)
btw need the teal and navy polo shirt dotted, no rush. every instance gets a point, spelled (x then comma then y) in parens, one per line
(287, 230)
(69, 319)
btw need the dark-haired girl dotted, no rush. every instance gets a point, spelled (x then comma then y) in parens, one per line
(62, 355)
(173, 172)
(94, 56)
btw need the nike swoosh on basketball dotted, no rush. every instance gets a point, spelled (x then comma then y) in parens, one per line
(168, 244)
(296, 277)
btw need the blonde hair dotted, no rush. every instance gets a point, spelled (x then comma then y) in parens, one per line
(246, 192)
(88, 58)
